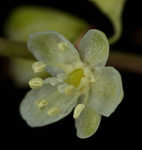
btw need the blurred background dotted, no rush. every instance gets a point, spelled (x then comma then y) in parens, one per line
(120, 128)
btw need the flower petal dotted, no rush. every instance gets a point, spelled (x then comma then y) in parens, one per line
(87, 123)
(54, 50)
(46, 105)
(107, 92)
(94, 48)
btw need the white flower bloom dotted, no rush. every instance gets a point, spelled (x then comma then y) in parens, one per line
(79, 81)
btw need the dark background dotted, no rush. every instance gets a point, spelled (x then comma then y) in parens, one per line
(122, 128)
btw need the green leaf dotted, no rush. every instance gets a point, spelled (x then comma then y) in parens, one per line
(26, 20)
(46, 105)
(87, 123)
(94, 48)
(54, 50)
(107, 92)
(113, 9)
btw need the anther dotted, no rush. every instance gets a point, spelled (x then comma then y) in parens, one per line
(53, 111)
(52, 81)
(42, 103)
(77, 111)
(62, 46)
(35, 82)
(38, 66)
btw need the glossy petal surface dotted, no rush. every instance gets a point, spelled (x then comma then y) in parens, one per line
(94, 48)
(54, 50)
(46, 105)
(107, 92)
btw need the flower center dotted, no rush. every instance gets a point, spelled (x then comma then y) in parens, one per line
(80, 78)
(75, 77)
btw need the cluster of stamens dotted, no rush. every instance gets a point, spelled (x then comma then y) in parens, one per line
(78, 80)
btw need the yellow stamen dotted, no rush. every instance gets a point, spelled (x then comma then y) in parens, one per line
(62, 46)
(35, 83)
(53, 111)
(38, 67)
(42, 103)
(78, 109)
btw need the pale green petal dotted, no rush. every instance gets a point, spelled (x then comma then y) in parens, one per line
(107, 92)
(94, 48)
(46, 105)
(113, 9)
(54, 50)
(87, 123)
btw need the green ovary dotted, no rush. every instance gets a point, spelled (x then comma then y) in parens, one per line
(74, 77)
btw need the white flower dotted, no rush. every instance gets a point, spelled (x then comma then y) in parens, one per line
(78, 81)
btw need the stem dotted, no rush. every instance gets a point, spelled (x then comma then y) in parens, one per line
(126, 61)
(13, 49)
